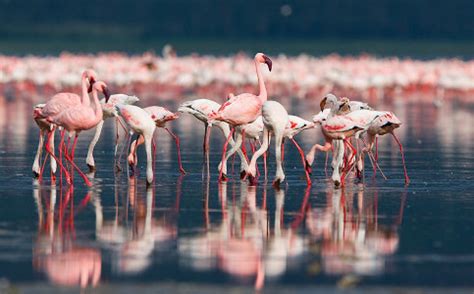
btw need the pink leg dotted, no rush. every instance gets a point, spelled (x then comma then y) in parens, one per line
(71, 160)
(48, 149)
(283, 151)
(303, 160)
(176, 140)
(252, 147)
(326, 162)
(153, 150)
(224, 150)
(407, 179)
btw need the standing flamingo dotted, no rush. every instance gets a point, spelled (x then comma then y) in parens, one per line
(108, 111)
(54, 106)
(244, 108)
(80, 118)
(201, 109)
(140, 122)
(275, 119)
(160, 116)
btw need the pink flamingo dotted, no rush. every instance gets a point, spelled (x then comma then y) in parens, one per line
(275, 119)
(54, 106)
(108, 111)
(140, 122)
(244, 108)
(340, 127)
(201, 109)
(161, 116)
(80, 118)
(297, 125)
(384, 124)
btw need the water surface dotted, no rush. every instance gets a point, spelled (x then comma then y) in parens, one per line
(185, 230)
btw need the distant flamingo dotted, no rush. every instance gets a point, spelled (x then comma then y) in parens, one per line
(161, 116)
(244, 108)
(108, 111)
(80, 118)
(275, 119)
(201, 109)
(54, 106)
(140, 122)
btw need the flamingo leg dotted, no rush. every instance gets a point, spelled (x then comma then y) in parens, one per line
(407, 179)
(74, 166)
(176, 141)
(61, 166)
(206, 147)
(37, 162)
(90, 152)
(303, 160)
(224, 150)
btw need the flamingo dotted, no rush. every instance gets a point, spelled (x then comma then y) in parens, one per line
(80, 118)
(200, 109)
(297, 125)
(140, 122)
(108, 111)
(340, 127)
(275, 119)
(252, 131)
(161, 116)
(54, 106)
(384, 124)
(244, 108)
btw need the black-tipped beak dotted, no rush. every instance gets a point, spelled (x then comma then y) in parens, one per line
(268, 61)
(106, 94)
(91, 84)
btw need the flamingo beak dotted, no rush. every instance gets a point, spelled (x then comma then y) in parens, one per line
(105, 91)
(268, 61)
(91, 83)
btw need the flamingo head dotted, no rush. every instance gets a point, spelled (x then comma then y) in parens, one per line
(344, 106)
(329, 100)
(91, 77)
(102, 87)
(262, 58)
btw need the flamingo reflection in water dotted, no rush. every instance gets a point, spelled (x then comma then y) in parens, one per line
(133, 245)
(55, 251)
(243, 245)
(347, 230)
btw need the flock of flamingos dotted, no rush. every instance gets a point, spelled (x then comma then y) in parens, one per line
(350, 130)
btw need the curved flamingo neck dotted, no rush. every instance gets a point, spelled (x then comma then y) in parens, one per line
(261, 84)
(98, 108)
(85, 95)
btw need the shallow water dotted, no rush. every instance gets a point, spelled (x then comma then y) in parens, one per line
(187, 230)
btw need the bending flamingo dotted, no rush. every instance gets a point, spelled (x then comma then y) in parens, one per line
(275, 119)
(244, 108)
(161, 116)
(141, 123)
(108, 111)
(201, 109)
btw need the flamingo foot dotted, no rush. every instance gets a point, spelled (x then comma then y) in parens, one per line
(182, 171)
(337, 183)
(53, 178)
(223, 178)
(118, 168)
(276, 184)
(243, 175)
(36, 175)
(308, 167)
(252, 180)
(91, 168)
